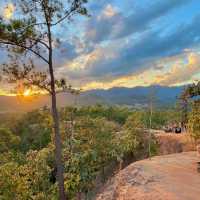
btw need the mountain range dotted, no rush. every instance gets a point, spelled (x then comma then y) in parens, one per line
(135, 97)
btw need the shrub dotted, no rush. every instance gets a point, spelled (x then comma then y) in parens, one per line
(194, 121)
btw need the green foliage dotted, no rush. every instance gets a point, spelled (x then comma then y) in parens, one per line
(154, 147)
(12, 184)
(191, 91)
(12, 156)
(161, 118)
(194, 121)
(8, 140)
(132, 133)
(114, 113)
(28, 181)
(32, 32)
(35, 130)
(134, 139)
(92, 139)
(9, 120)
(14, 32)
(92, 149)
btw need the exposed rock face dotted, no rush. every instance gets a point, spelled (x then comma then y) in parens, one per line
(198, 150)
(171, 177)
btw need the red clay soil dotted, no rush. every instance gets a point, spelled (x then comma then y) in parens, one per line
(169, 177)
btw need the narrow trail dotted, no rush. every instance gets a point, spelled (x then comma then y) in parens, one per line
(168, 177)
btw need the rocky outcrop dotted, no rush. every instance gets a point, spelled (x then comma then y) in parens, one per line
(170, 177)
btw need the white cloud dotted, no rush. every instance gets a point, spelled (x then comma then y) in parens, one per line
(109, 11)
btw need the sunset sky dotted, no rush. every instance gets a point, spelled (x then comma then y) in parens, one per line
(128, 43)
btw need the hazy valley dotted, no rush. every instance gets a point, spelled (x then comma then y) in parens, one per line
(137, 97)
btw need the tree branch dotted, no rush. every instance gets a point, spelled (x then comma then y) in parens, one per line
(30, 25)
(65, 16)
(25, 47)
(39, 85)
(40, 41)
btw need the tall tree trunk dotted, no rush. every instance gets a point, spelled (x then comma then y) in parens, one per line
(58, 143)
(150, 127)
(58, 149)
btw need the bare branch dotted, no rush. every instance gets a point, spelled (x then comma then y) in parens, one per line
(40, 41)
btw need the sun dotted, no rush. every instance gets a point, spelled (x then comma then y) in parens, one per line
(8, 11)
(27, 93)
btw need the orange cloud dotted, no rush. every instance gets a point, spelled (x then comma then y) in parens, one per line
(143, 79)
(182, 70)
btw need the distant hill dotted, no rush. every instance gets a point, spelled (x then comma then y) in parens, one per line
(137, 97)
(16, 104)
(162, 95)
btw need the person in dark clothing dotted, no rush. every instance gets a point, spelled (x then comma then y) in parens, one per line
(178, 130)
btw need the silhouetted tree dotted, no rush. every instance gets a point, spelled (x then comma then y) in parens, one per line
(152, 98)
(189, 92)
(30, 31)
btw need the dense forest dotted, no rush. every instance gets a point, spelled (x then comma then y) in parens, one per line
(97, 141)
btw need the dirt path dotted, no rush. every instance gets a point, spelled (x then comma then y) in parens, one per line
(170, 177)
